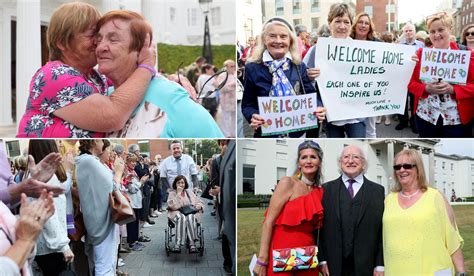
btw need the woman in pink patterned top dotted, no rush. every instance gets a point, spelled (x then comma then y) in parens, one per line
(68, 98)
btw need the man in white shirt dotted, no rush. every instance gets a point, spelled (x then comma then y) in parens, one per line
(178, 164)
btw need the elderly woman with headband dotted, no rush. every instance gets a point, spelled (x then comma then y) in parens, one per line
(275, 69)
(442, 109)
(420, 236)
(295, 210)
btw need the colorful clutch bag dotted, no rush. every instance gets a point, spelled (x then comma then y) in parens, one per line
(298, 258)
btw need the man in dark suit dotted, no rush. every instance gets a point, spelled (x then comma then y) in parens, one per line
(351, 237)
(223, 181)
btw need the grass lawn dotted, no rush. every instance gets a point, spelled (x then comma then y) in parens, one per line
(249, 223)
(465, 220)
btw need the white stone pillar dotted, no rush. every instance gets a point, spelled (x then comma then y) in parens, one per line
(28, 50)
(155, 12)
(431, 168)
(390, 156)
(5, 69)
(108, 5)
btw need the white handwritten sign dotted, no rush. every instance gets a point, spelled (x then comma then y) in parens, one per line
(363, 78)
(447, 65)
(288, 113)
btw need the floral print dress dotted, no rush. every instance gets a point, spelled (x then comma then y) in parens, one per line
(56, 85)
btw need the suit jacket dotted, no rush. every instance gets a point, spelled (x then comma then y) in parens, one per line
(368, 251)
(227, 181)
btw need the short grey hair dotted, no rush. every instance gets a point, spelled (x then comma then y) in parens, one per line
(300, 28)
(365, 164)
(133, 147)
(119, 148)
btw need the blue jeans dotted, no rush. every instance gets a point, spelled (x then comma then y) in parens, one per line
(356, 130)
(428, 130)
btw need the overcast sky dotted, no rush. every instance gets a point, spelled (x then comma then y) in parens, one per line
(416, 10)
(464, 147)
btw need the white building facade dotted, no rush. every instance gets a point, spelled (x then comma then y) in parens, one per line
(261, 163)
(310, 13)
(23, 25)
(249, 19)
(454, 172)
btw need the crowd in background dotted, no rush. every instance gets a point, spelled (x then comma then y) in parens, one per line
(81, 231)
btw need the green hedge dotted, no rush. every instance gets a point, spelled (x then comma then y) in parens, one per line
(248, 203)
(170, 56)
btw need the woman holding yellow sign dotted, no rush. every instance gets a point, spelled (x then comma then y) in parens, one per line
(275, 70)
(442, 109)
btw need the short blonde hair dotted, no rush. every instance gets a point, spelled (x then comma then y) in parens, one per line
(67, 21)
(445, 19)
(260, 48)
(416, 159)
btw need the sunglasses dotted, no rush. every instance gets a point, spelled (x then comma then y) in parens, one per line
(404, 166)
(469, 33)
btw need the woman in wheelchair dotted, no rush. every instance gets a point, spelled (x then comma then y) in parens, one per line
(185, 211)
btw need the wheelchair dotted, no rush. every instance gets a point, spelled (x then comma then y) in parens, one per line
(170, 233)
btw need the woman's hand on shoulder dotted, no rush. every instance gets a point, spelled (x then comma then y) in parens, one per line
(147, 54)
(256, 121)
(313, 73)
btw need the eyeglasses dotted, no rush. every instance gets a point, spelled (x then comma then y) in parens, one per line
(404, 166)
(469, 33)
(355, 157)
(308, 144)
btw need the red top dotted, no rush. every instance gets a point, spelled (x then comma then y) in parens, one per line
(463, 94)
(295, 225)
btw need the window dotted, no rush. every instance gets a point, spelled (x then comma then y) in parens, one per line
(296, 6)
(216, 16)
(379, 179)
(369, 10)
(13, 148)
(144, 147)
(248, 179)
(279, 10)
(296, 22)
(390, 8)
(378, 152)
(281, 142)
(315, 6)
(314, 24)
(443, 165)
(280, 173)
(282, 155)
(452, 166)
(192, 17)
(248, 1)
(435, 163)
(172, 14)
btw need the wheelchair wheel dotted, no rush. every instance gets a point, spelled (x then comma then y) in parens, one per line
(167, 242)
(201, 241)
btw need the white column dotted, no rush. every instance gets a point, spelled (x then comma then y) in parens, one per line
(28, 50)
(5, 69)
(431, 168)
(390, 156)
(155, 13)
(108, 5)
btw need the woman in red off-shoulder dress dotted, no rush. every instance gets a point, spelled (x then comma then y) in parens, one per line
(295, 211)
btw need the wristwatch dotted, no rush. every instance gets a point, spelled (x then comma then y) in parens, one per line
(461, 274)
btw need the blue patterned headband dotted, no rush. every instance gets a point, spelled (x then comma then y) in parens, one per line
(309, 144)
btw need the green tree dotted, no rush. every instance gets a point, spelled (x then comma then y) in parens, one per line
(206, 148)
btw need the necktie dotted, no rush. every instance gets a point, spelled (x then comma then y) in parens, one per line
(350, 189)
(178, 166)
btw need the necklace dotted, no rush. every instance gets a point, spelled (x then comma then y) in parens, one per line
(307, 181)
(409, 196)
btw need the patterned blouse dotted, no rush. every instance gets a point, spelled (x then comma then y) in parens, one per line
(431, 107)
(56, 85)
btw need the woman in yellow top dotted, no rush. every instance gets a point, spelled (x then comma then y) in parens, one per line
(420, 235)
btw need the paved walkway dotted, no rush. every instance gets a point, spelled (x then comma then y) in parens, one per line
(8, 131)
(153, 260)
